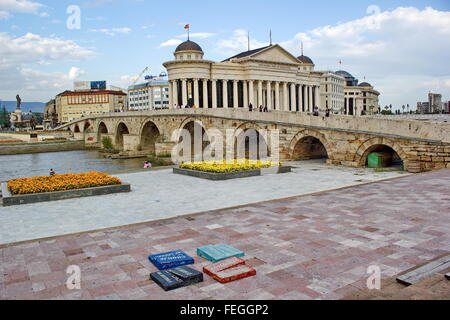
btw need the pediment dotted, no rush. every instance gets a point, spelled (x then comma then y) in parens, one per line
(276, 54)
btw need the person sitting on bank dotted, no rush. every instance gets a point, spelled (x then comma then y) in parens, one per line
(52, 172)
(147, 165)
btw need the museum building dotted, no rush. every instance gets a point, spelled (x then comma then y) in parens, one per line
(269, 76)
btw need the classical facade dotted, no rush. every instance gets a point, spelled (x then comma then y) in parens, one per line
(359, 98)
(269, 76)
(332, 92)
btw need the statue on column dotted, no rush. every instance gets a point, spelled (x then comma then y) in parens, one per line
(18, 102)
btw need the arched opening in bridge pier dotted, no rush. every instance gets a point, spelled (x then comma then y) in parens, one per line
(198, 137)
(309, 148)
(121, 130)
(87, 125)
(102, 129)
(388, 157)
(251, 144)
(149, 135)
(76, 129)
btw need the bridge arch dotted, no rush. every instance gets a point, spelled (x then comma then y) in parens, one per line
(121, 130)
(101, 130)
(309, 144)
(87, 126)
(192, 126)
(251, 142)
(379, 144)
(76, 128)
(149, 134)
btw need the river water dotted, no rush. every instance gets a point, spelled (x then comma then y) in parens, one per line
(38, 164)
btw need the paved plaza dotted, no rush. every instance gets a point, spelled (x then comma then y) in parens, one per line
(305, 247)
(161, 194)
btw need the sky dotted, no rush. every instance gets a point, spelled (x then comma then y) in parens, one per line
(400, 47)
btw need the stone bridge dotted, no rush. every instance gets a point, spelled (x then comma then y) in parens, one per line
(343, 140)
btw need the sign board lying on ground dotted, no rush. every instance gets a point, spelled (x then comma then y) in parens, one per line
(219, 252)
(230, 269)
(176, 278)
(169, 260)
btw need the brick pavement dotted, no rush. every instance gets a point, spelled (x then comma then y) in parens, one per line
(311, 247)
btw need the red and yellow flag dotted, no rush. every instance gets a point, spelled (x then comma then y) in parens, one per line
(187, 26)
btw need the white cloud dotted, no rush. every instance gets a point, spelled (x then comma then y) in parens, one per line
(402, 52)
(23, 61)
(113, 31)
(238, 42)
(170, 43)
(4, 14)
(23, 6)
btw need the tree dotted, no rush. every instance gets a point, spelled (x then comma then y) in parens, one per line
(4, 118)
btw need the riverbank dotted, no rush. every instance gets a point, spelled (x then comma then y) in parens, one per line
(40, 147)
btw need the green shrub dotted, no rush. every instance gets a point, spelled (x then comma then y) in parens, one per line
(107, 143)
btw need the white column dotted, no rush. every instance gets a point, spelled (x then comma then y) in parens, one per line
(170, 95)
(285, 97)
(310, 106)
(196, 94)
(269, 95)
(245, 92)
(184, 91)
(175, 93)
(277, 95)
(235, 94)
(251, 93)
(300, 98)
(214, 93)
(293, 102)
(205, 93)
(260, 102)
(318, 98)
(225, 93)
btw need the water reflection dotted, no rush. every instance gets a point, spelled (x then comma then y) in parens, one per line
(30, 165)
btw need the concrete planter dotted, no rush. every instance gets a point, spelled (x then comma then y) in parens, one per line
(230, 175)
(13, 200)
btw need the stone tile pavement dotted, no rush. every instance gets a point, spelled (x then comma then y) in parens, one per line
(161, 194)
(310, 247)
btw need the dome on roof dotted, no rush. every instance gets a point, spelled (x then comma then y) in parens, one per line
(305, 59)
(344, 74)
(365, 84)
(188, 46)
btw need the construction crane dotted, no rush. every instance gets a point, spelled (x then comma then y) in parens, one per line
(139, 76)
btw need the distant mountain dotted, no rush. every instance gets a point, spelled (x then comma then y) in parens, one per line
(25, 106)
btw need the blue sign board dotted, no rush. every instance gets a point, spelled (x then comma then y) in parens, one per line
(219, 252)
(169, 260)
(99, 85)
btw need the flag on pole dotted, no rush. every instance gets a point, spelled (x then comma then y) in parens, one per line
(187, 26)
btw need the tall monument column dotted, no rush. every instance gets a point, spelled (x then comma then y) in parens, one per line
(277, 95)
(225, 93)
(184, 92)
(214, 93)
(269, 95)
(293, 102)
(205, 93)
(251, 93)
(196, 94)
(235, 94)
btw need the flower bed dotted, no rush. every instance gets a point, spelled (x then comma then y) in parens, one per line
(229, 166)
(61, 182)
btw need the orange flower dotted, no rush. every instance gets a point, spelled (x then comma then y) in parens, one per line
(60, 182)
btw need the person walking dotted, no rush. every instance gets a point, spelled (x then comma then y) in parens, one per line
(250, 107)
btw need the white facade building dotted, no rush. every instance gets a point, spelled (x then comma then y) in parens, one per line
(150, 95)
